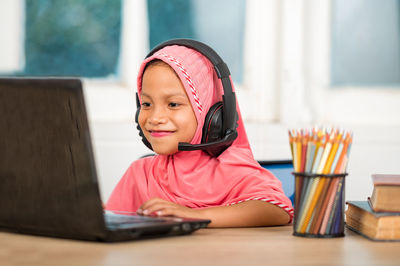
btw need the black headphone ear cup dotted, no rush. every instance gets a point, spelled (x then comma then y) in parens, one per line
(213, 124)
(141, 134)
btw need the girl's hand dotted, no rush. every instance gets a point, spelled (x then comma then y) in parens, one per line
(160, 207)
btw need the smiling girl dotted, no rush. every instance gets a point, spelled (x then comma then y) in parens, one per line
(177, 86)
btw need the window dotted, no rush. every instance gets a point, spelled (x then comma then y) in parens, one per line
(365, 43)
(314, 91)
(71, 38)
(219, 24)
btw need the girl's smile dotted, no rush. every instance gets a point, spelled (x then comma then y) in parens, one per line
(159, 134)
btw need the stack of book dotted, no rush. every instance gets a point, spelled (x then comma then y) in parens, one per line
(378, 218)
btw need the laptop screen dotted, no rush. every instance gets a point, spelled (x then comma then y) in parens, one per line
(47, 168)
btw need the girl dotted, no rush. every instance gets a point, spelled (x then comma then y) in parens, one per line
(177, 85)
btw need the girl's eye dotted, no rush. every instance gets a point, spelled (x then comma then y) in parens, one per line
(145, 104)
(172, 104)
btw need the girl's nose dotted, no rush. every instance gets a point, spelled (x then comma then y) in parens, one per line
(158, 116)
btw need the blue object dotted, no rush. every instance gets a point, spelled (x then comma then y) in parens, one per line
(282, 169)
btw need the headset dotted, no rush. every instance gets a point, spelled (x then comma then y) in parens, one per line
(219, 129)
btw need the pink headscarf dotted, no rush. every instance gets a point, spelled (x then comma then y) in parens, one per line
(194, 178)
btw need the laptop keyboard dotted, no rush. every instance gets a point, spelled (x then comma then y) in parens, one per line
(123, 219)
(114, 220)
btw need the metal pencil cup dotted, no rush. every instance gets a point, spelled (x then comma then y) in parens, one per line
(319, 205)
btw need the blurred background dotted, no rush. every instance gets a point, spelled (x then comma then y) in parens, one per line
(295, 63)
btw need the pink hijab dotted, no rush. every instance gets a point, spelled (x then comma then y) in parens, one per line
(194, 178)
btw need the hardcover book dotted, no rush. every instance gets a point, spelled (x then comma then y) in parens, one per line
(378, 226)
(386, 193)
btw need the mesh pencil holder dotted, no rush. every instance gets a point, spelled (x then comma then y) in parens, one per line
(319, 205)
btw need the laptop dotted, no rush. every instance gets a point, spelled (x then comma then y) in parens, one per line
(48, 181)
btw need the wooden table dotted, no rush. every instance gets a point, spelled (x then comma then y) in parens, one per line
(247, 246)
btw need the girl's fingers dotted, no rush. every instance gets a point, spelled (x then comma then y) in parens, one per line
(159, 206)
(148, 204)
